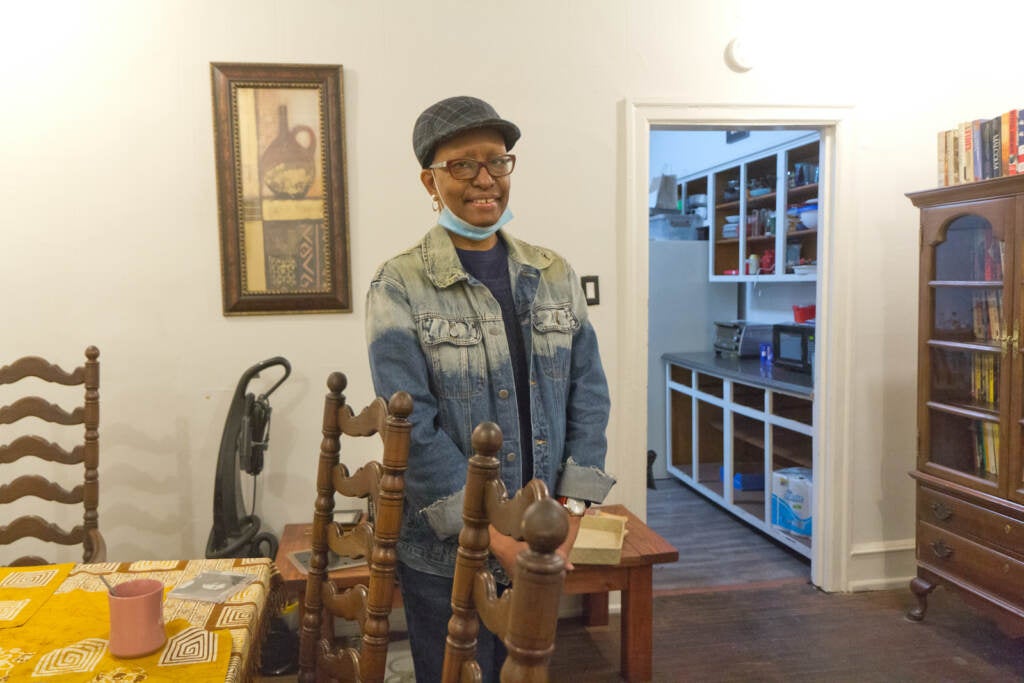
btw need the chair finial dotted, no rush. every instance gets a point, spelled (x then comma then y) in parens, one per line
(545, 525)
(337, 382)
(400, 404)
(487, 438)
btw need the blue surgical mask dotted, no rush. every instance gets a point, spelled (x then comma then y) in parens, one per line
(452, 223)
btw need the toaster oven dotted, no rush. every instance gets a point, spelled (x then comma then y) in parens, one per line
(738, 338)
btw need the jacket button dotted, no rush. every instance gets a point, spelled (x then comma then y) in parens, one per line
(511, 457)
(503, 393)
(494, 330)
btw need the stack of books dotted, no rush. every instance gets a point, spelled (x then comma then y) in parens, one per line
(982, 149)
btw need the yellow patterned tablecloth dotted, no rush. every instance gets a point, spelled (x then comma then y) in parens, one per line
(65, 637)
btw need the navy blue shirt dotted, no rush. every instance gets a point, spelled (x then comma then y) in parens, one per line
(491, 268)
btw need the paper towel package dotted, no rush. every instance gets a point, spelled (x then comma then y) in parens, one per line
(792, 500)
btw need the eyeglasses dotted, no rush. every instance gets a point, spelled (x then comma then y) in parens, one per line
(467, 169)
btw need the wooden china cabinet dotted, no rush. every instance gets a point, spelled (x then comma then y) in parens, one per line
(970, 480)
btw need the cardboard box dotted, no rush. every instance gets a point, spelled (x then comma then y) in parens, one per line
(599, 540)
(793, 500)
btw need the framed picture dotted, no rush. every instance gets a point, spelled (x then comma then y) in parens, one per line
(281, 188)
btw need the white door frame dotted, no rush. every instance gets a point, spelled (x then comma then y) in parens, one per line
(832, 514)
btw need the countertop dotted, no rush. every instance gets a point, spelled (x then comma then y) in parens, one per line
(746, 370)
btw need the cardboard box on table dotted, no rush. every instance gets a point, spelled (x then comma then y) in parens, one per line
(599, 540)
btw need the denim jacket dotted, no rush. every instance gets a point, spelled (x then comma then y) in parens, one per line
(436, 332)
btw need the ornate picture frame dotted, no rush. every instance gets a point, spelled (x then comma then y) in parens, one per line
(281, 188)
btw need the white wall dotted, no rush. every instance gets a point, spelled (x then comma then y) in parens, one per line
(109, 228)
(682, 308)
(685, 152)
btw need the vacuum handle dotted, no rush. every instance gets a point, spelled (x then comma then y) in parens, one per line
(255, 370)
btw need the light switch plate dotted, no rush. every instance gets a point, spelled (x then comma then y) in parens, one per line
(591, 289)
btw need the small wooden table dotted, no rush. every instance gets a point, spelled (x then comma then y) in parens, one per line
(641, 550)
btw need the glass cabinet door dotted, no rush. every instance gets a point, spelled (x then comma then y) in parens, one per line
(966, 344)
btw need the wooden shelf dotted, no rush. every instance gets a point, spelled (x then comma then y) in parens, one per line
(809, 232)
(771, 168)
(790, 448)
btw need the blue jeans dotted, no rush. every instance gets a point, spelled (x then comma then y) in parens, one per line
(428, 608)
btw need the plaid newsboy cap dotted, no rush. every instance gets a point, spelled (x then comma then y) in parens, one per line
(447, 118)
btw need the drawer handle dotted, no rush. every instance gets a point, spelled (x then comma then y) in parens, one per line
(941, 550)
(1008, 529)
(941, 512)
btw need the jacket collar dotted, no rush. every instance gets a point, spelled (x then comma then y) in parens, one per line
(444, 269)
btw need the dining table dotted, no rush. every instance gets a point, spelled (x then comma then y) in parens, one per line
(55, 622)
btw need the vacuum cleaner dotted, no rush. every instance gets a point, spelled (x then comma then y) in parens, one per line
(242, 447)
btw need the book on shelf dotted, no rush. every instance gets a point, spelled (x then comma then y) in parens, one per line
(966, 152)
(986, 149)
(976, 141)
(986, 447)
(953, 150)
(994, 300)
(1010, 141)
(986, 315)
(1004, 137)
(981, 149)
(1020, 141)
(997, 147)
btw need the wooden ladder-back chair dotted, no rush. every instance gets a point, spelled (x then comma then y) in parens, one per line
(85, 454)
(525, 617)
(384, 484)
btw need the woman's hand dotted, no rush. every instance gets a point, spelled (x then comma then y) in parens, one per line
(570, 539)
(506, 549)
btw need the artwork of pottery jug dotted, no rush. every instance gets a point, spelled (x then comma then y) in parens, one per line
(288, 167)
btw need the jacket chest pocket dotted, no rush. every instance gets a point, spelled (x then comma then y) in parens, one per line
(553, 329)
(456, 352)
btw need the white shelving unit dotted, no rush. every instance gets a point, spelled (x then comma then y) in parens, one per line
(729, 421)
(778, 166)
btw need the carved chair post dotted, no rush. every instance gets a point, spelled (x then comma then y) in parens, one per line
(388, 522)
(92, 455)
(474, 541)
(525, 617)
(533, 613)
(383, 483)
(323, 509)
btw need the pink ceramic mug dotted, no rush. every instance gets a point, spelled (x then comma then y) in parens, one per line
(137, 618)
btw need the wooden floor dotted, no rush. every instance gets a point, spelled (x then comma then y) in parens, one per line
(715, 547)
(739, 607)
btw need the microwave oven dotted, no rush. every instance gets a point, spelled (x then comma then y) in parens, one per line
(793, 346)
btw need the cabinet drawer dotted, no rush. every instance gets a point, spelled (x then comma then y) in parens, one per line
(966, 519)
(984, 567)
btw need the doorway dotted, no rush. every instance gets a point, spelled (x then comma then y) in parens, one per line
(827, 563)
(684, 298)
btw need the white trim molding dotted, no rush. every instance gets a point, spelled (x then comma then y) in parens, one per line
(831, 458)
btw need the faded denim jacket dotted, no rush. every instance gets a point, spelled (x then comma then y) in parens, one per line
(436, 332)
